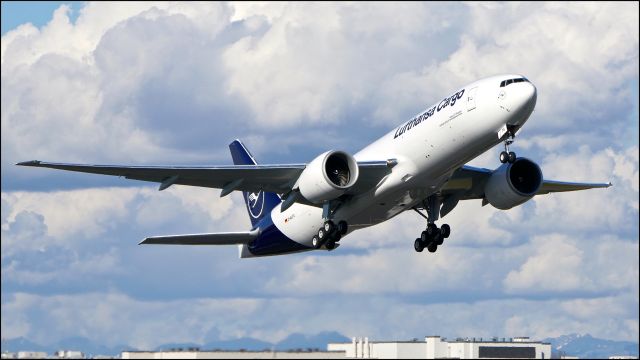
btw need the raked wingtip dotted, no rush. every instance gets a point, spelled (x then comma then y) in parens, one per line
(29, 163)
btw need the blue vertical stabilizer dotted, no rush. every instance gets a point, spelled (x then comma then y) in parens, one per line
(260, 204)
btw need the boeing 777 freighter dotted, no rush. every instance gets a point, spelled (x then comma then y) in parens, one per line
(418, 166)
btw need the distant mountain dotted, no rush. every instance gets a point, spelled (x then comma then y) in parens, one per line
(318, 341)
(21, 344)
(291, 342)
(250, 344)
(87, 346)
(588, 347)
(74, 343)
(176, 346)
(246, 343)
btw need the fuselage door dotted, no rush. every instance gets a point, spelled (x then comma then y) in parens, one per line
(471, 99)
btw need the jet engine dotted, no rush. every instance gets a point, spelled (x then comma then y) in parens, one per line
(513, 184)
(328, 176)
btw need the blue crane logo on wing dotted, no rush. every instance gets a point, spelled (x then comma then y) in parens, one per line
(255, 203)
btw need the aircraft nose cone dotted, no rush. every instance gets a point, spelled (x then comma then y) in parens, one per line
(524, 96)
(530, 94)
(522, 100)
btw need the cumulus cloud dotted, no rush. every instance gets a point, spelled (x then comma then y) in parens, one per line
(563, 264)
(142, 79)
(175, 82)
(100, 94)
(597, 209)
(27, 230)
(101, 314)
(314, 63)
(69, 237)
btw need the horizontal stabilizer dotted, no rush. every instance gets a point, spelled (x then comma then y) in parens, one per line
(230, 238)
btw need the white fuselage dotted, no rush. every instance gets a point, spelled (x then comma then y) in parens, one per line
(428, 149)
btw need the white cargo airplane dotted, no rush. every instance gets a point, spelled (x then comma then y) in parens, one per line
(417, 166)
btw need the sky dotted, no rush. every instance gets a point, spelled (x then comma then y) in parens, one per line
(175, 83)
(38, 13)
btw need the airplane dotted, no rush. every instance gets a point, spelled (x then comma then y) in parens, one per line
(418, 166)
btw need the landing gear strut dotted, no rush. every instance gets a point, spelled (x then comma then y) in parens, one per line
(506, 155)
(329, 234)
(432, 236)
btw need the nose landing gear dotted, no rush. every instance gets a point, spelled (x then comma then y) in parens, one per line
(508, 156)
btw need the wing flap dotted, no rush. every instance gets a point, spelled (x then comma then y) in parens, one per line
(230, 238)
(467, 183)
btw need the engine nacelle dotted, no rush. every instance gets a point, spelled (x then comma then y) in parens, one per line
(328, 176)
(513, 184)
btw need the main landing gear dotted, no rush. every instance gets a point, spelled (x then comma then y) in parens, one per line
(329, 234)
(508, 156)
(432, 236)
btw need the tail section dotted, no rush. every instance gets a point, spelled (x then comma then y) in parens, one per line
(258, 204)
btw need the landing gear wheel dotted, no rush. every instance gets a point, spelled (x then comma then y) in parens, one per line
(337, 237)
(445, 230)
(424, 237)
(315, 242)
(417, 245)
(328, 227)
(438, 239)
(504, 157)
(512, 157)
(431, 229)
(322, 234)
(330, 245)
(432, 247)
(342, 227)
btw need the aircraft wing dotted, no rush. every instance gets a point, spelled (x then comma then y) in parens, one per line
(230, 238)
(550, 186)
(468, 183)
(278, 179)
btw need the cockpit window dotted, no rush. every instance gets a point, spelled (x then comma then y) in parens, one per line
(512, 81)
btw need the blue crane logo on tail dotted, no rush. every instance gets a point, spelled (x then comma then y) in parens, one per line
(255, 203)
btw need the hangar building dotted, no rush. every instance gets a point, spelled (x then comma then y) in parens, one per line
(435, 347)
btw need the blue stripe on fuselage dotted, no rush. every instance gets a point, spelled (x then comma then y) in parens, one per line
(272, 241)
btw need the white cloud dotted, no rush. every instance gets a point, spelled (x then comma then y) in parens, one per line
(55, 266)
(89, 213)
(103, 316)
(116, 318)
(552, 44)
(556, 266)
(312, 64)
(69, 237)
(120, 65)
(597, 209)
(67, 89)
(26, 44)
(75, 213)
(561, 263)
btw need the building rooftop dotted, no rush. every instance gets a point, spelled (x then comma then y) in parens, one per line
(517, 340)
